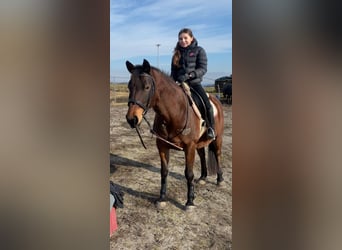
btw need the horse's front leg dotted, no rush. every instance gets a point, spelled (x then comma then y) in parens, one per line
(164, 160)
(189, 174)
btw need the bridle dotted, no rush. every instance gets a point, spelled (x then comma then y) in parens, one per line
(150, 94)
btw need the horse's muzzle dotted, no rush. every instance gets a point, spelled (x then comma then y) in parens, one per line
(133, 122)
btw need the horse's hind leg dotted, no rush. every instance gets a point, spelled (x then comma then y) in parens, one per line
(218, 147)
(189, 174)
(214, 160)
(204, 171)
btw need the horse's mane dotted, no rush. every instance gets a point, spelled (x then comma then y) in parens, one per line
(164, 74)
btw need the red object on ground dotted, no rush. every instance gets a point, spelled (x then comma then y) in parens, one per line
(113, 224)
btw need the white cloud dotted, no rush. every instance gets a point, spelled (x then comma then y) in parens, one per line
(137, 26)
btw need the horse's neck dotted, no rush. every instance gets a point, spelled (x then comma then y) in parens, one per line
(172, 102)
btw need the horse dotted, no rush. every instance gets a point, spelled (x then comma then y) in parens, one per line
(227, 92)
(176, 125)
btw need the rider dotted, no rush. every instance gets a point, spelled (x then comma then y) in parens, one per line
(189, 64)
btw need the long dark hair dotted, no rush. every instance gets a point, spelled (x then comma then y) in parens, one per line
(176, 53)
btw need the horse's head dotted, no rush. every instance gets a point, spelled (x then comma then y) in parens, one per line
(141, 90)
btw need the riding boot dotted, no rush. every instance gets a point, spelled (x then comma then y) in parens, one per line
(211, 123)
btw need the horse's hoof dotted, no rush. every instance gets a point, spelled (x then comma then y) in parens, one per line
(160, 204)
(221, 184)
(189, 208)
(202, 182)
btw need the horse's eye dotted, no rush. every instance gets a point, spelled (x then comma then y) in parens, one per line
(147, 87)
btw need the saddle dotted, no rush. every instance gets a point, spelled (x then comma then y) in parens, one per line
(197, 104)
(196, 98)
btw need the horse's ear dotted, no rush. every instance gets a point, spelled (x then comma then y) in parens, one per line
(129, 66)
(146, 66)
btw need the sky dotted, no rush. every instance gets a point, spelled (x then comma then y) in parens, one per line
(137, 26)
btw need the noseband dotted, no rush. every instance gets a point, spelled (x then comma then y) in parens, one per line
(150, 94)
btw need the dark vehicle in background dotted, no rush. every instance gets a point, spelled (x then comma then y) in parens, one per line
(223, 87)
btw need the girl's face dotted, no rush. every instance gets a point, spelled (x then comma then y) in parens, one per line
(185, 40)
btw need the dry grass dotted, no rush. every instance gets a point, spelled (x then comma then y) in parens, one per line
(118, 93)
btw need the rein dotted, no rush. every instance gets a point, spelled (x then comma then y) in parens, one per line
(141, 140)
(159, 137)
(153, 132)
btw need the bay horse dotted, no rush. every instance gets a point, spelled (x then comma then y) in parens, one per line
(176, 124)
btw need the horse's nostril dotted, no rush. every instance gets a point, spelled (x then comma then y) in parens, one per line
(135, 120)
(132, 121)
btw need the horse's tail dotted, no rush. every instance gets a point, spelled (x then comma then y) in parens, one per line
(212, 159)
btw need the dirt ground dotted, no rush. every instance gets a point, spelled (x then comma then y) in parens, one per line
(137, 171)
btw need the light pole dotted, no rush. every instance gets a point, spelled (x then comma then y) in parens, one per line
(158, 45)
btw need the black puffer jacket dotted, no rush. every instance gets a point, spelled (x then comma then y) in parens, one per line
(193, 59)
